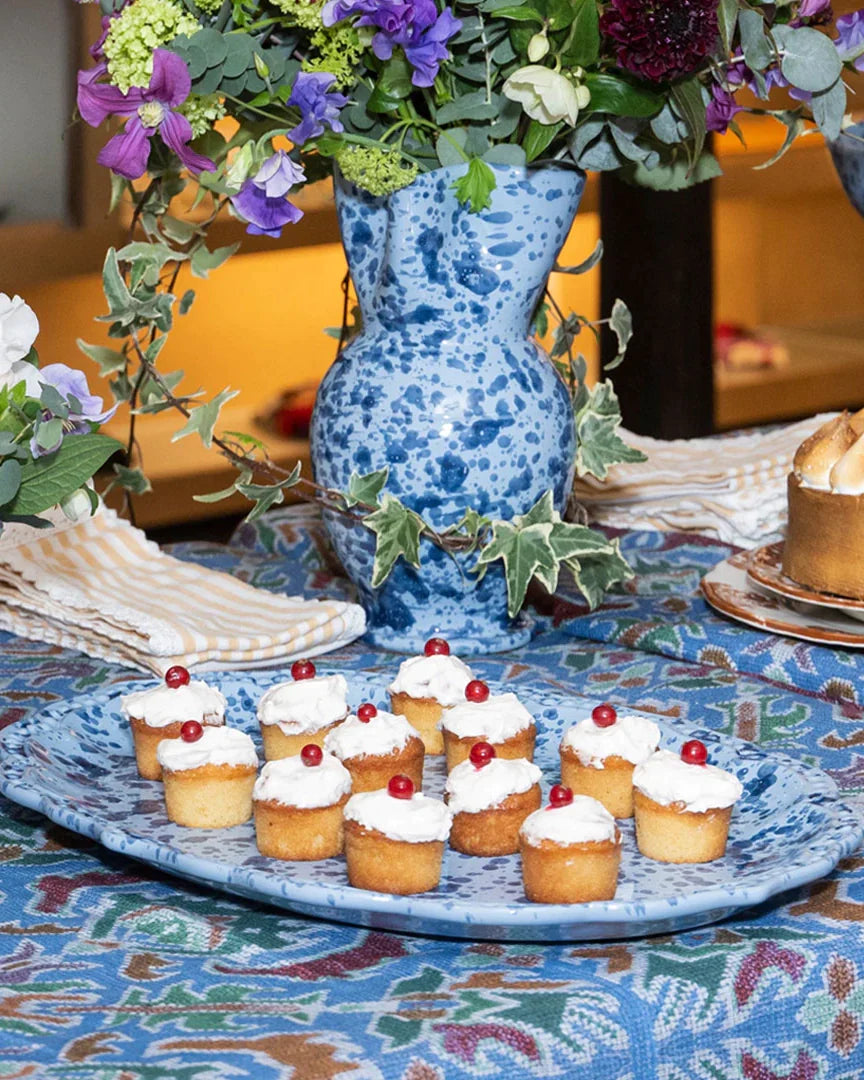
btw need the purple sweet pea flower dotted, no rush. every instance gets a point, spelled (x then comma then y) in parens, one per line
(150, 110)
(412, 25)
(85, 408)
(721, 109)
(850, 39)
(261, 200)
(319, 107)
(810, 8)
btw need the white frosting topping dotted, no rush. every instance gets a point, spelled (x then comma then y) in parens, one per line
(217, 746)
(583, 821)
(471, 790)
(847, 476)
(305, 705)
(666, 779)
(443, 678)
(383, 734)
(161, 705)
(633, 738)
(289, 781)
(416, 820)
(499, 717)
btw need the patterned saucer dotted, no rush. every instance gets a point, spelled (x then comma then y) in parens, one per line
(730, 590)
(74, 762)
(765, 567)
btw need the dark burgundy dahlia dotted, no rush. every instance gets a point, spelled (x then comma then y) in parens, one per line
(661, 40)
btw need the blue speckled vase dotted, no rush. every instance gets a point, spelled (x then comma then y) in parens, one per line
(847, 153)
(445, 387)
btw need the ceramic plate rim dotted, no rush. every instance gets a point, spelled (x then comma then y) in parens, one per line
(794, 591)
(329, 897)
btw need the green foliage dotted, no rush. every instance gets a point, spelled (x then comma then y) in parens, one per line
(47, 480)
(397, 530)
(598, 444)
(476, 186)
(202, 419)
(366, 489)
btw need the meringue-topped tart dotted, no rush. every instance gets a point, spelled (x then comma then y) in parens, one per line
(394, 838)
(489, 798)
(683, 805)
(298, 803)
(374, 745)
(160, 711)
(499, 719)
(599, 753)
(209, 773)
(301, 711)
(426, 686)
(571, 850)
(824, 547)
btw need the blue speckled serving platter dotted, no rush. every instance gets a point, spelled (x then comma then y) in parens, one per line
(74, 762)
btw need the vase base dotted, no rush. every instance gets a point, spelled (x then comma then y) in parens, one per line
(493, 640)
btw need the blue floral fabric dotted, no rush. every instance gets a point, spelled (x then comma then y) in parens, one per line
(110, 970)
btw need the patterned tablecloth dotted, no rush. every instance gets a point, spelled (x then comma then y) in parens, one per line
(110, 971)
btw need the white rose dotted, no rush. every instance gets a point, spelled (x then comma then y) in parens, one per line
(546, 96)
(19, 328)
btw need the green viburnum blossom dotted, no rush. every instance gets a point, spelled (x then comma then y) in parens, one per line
(202, 111)
(142, 27)
(378, 171)
(210, 6)
(338, 52)
(305, 13)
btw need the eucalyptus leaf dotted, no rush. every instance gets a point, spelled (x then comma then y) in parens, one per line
(809, 59)
(10, 480)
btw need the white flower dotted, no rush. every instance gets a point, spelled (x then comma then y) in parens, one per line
(19, 328)
(546, 95)
(21, 371)
(538, 47)
(77, 506)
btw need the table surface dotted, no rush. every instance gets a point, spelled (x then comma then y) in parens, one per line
(111, 970)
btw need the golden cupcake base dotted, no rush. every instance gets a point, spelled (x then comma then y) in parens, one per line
(670, 834)
(370, 772)
(611, 785)
(423, 714)
(279, 745)
(211, 796)
(494, 831)
(570, 874)
(298, 832)
(520, 745)
(380, 864)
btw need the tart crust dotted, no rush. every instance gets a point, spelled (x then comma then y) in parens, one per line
(824, 547)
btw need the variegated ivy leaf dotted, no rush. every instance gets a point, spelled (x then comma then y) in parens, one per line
(202, 419)
(472, 525)
(366, 488)
(594, 574)
(526, 552)
(132, 480)
(397, 530)
(598, 444)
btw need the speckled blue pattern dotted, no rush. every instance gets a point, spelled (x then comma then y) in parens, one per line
(75, 764)
(848, 155)
(445, 387)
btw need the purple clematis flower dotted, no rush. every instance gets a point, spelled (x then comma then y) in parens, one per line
(850, 38)
(261, 200)
(85, 408)
(412, 25)
(319, 106)
(149, 110)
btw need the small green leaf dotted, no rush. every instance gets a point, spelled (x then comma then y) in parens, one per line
(583, 267)
(598, 444)
(476, 186)
(10, 480)
(49, 434)
(584, 36)
(132, 480)
(756, 47)
(202, 419)
(595, 574)
(397, 530)
(367, 488)
(203, 260)
(538, 137)
(45, 481)
(621, 324)
(687, 96)
(619, 97)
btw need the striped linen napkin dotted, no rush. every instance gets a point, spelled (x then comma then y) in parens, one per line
(100, 586)
(731, 488)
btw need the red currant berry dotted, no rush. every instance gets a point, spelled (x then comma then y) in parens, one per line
(481, 754)
(311, 755)
(366, 712)
(436, 646)
(302, 669)
(176, 676)
(477, 691)
(400, 787)
(694, 752)
(604, 716)
(560, 796)
(191, 731)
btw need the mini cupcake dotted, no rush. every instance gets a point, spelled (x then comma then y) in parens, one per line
(499, 719)
(302, 711)
(489, 798)
(571, 850)
(683, 805)
(394, 839)
(425, 687)
(375, 745)
(298, 803)
(599, 753)
(209, 773)
(160, 712)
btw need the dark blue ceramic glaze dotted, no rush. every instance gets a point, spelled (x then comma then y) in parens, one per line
(848, 154)
(445, 387)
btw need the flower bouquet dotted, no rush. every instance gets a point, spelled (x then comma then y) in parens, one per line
(49, 444)
(412, 100)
